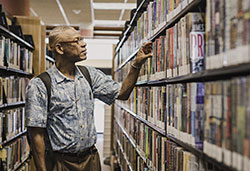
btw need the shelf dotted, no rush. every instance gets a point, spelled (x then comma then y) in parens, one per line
(119, 163)
(12, 138)
(134, 19)
(49, 58)
(151, 125)
(177, 14)
(204, 76)
(11, 71)
(127, 60)
(190, 148)
(200, 154)
(21, 163)
(12, 105)
(126, 134)
(9, 34)
(133, 143)
(124, 155)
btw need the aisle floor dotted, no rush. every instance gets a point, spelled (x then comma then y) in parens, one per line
(99, 146)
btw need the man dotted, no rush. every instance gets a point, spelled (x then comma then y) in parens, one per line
(69, 122)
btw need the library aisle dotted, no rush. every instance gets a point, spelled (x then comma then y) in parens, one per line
(189, 109)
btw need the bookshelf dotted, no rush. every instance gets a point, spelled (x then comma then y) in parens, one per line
(190, 148)
(16, 68)
(199, 110)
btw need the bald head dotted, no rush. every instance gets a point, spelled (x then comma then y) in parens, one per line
(56, 35)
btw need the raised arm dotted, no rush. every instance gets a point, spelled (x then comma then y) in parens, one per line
(128, 84)
(36, 136)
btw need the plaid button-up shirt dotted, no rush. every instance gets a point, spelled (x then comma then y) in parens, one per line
(70, 120)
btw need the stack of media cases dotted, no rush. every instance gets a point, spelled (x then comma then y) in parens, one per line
(190, 109)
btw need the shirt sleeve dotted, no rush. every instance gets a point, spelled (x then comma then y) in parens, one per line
(103, 87)
(36, 104)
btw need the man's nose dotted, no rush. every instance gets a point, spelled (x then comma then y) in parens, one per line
(83, 44)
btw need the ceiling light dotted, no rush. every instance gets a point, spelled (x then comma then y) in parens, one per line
(115, 6)
(109, 22)
(76, 11)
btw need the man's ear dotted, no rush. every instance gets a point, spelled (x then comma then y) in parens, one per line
(59, 49)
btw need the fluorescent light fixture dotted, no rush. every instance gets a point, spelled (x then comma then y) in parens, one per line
(107, 32)
(62, 11)
(35, 14)
(109, 23)
(114, 6)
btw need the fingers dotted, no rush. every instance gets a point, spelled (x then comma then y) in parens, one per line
(149, 55)
(147, 43)
(147, 47)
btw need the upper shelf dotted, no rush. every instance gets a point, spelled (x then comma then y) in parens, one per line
(175, 15)
(9, 34)
(133, 20)
(172, 18)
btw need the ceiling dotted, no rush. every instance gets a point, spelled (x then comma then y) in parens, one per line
(102, 17)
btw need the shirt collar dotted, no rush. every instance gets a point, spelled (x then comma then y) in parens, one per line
(59, 77)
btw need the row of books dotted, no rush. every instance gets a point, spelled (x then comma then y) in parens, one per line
(156, 15)
(181, 51)
(226, 129)
(14, 55)
(156, 152)
(191, 46)
(126, 153)
(135, 160)
(12, 122)
(211, 116)
(227, 28)
(14, 154)
(12, 89)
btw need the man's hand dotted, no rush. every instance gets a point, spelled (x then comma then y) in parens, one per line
(143, 54)
(128, 84)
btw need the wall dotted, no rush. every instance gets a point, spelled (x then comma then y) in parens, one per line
(99, 53)
(16, 7)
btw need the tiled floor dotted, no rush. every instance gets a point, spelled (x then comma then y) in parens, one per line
(99, 146)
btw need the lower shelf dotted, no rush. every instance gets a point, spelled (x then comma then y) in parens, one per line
(200, 154)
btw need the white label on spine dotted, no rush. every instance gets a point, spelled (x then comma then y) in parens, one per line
(246, 164)
(235, 159)
(227, 157)
(240, 161)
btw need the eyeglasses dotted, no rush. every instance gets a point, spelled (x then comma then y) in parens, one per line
(78, 40)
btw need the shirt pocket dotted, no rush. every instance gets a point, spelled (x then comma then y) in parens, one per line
(62, 105)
